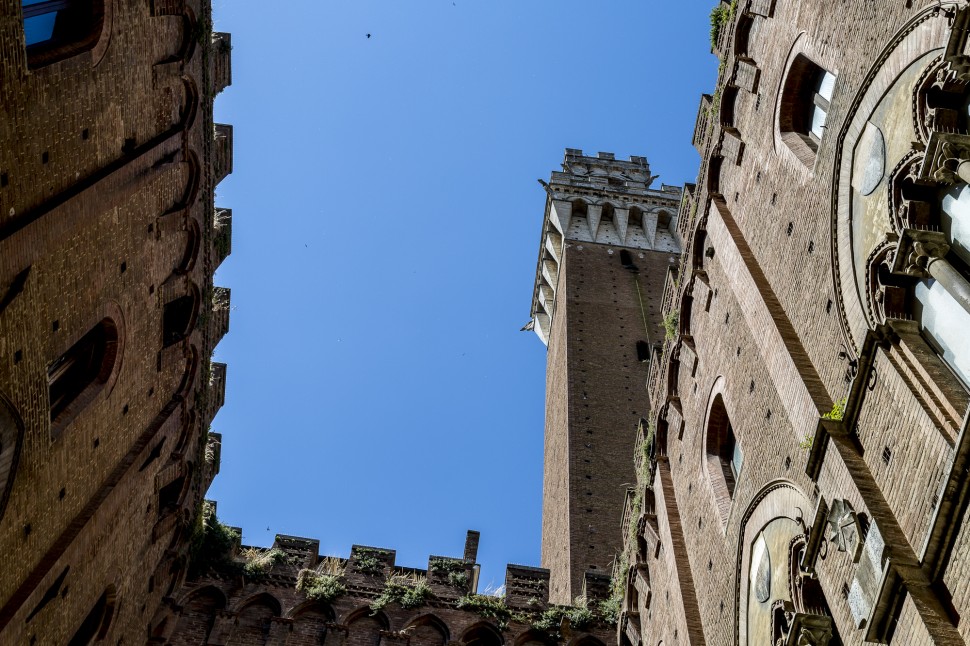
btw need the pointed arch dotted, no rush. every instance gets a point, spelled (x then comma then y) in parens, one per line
(482, 634)
(428, 630)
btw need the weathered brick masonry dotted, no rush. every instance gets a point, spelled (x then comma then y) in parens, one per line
(289, 595)
(807, 472)
(607, 245)
(108, 241)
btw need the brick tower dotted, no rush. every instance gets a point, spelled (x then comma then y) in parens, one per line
(608, 243)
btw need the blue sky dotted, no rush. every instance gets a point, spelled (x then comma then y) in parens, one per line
(386, 221)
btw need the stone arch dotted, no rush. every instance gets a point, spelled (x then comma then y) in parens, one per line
(11, 436)
(585, 640)
(179, 314)
(777, 499)
(189, 374)
(86, 369)
(742, 35)
(534, 637)
(199, 609)
(253, 618)
(310, 620)
(719, 463)
(714, 175)
(365, 628)
(482, 634)
(428, 630)
(794, 92)
(929, 25)
(193, 241)
(728, 110)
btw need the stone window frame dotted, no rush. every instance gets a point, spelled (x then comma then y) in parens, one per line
(717, 464)
(111, 325)
(798, 98)
(75, 39)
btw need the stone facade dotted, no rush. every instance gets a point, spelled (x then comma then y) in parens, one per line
(108, 242)
(608, 244)
(807, 443)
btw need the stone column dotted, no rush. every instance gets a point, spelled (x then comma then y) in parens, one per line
(923, 254)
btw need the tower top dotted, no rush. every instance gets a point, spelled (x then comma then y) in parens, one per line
(601, 200)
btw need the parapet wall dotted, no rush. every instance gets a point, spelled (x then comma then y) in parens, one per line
(290, 594)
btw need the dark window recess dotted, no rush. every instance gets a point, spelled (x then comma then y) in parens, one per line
(57, 29)
(177, 320)
(51, 592)
(643, 351)
(96, 624)
(154, 455)
(168, 496)
(625, 259)
(77, 375)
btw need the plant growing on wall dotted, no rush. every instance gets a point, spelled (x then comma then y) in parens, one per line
(454, 571)
(211, 543)
(721, 16)
(487, 607)
(408, 590)
(369, 561)
(837, 412)
(323, 584)
(579, 616)
(670, 324)
(259, 561)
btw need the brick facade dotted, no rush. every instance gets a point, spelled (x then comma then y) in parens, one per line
(108, 243)
(844, 522)
(232, 603)
(606, 250)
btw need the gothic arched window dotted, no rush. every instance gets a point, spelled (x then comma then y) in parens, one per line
(76, 377)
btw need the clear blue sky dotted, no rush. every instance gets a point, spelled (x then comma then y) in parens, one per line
(386, 221)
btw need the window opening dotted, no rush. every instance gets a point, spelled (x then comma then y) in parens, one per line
(77, 375)
(57, 29)
(177, 319)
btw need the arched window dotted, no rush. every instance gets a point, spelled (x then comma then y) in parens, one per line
(723, 456)
(804, 107)
(58, 29)
(178, 318)
(78, 375)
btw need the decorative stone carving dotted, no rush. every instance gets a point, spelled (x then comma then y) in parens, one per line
(916, 250)
(810, 630)
(947, 159)
(791, 628)
(843, 529)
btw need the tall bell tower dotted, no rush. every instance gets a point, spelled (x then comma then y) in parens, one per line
(608, 241)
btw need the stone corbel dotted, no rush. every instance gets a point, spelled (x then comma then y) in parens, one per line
(809, 630)
(922, 254)
(947, 159)
(917, 250)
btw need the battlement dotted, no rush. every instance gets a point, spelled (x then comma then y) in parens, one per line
(600, 200)
(368, 598)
